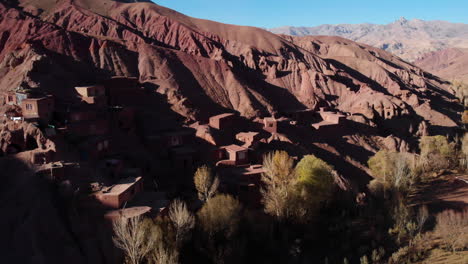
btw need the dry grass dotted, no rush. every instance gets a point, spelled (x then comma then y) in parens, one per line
(439, 256)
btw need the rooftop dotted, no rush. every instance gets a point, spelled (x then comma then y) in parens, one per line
(253, 169)
(222, 116)
(248, 134)
(234, 148)
(89, 86)
(128, 212)
(120, 187)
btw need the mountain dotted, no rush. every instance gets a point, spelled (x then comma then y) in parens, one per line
(451, 64)
(202, 66)
(409, 39)
(192, 69)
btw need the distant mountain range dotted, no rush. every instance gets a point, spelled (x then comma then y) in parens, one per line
(408, 39)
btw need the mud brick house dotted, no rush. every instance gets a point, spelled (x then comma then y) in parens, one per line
(223, 121)
(183, 159)
(329, 120)
(94, 148)
(128, 213)
(251, 139)
(300, 116)
(270, 124)
(38, 109)
(126, 118)
(98, 127)
(332, 117)
(93, 95)
(236, 155)
(157, 201)
(16, 97)
(78, 115)
(9, 98)
(243, 182)
(117, 195)
(163, 141)
(41, 157)
(122, 90)
(56, 171)
(178, 137)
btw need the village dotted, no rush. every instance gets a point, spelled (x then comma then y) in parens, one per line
(97, 147)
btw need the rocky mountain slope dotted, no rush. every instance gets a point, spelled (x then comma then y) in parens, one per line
(408, 39)
(451, 64)
(204, 67)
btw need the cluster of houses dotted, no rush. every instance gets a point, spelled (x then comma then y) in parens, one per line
(84, 125)
(238, 154)
(88, 125)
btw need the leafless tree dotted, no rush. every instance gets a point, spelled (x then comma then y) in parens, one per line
(130, 235)
(163, 255)
(206, 183)
(421, 218)
(452, 227)
(183, 220)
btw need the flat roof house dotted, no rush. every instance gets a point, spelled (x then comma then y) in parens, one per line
(93, 95)
(251, 139)
(117, 195)
(270, 124)
(238, 155)
(38, 108)
(223, 121)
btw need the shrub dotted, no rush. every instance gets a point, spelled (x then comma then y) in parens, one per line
(437, 153)
(392, 169)
(452, 227)
(182, 219)
(220, 216)
(464, 152)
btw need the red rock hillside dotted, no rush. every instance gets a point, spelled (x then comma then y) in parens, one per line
(204, 66)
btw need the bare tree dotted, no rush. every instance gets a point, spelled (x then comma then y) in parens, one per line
(421, 218)
(183, 220)
(130, 235)
(206, 184)
(452, 227)
(163, 255)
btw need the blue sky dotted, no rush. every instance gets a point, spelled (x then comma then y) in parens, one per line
(275, 13)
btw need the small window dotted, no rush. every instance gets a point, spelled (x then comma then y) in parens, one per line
(270, 124)
(29, 107)
(99, 146)
(242, 155)
(10, 98)
(106, 144)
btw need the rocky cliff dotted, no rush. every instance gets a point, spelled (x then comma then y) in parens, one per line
(204, 67)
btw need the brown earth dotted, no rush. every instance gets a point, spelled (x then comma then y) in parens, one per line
(451, 64)
(206, 67)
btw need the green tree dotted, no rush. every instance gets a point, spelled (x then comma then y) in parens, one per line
(220, 215)
(219, 221)
(316, 176)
